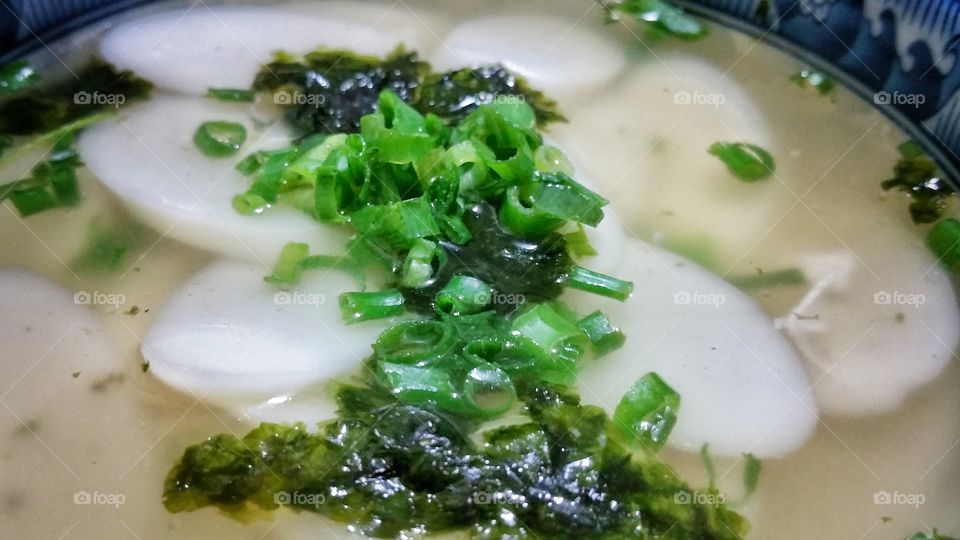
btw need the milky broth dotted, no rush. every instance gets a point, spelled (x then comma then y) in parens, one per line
(641, 138)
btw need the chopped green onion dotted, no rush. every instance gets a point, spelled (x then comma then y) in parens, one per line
(367, 306)
(489, 390)
(647, 412)
(294, 260)
(523, 220)
(463, 295)
(219, 138)
(419, 342)
(933, 536)
(421, 385)
(24, 183)
(751, 474)
(604, 337)
(106, 248)
(17, 75)
(61, 175)
(399, 116)
(232, 94)
(547, 328)
(515, 111)
(32, 200)
(550, 159)
(418, 266)
(708, 466)
(398, 133)
(662, 16)
(287, 269)
(944, 240)
(563, 197)
(814, 79)
(400, 223)
(249, 203)
(339, 262)
(268, 183)
(367, 251)
(453, 227)
(521, 357)
(597, 283)
(911, 149)
(57, 136)
(578, 244)
(485, 391)
(505, 148)
(252, 163)
(484, 349)
(53, 183)
(747, 162)
(471, 166)
(535, 208)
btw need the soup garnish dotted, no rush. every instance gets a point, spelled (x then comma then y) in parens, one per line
(748, 162)
(52, 116)
(454, 215)
(328, 91)
(916, 174)
(814, 78)
(387, 467)
(659, 16)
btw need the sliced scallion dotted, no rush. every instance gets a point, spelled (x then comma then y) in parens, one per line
(419, 342)
(546, 327)
(522, 219)
(368, 306)
(287, 269)
(944, 240)
(597, 283)
(489, 390)
(418, 266)
(647, 412)
(219, 138)
(463, 295)
(32, 200)
(17, 75)
(604, 336)
(232, 94)
(748, 162)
